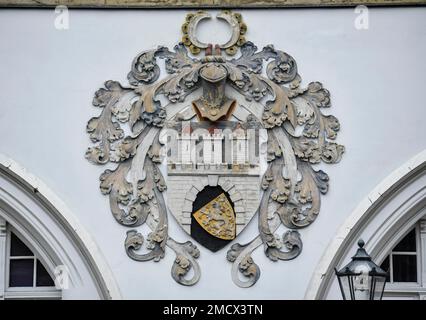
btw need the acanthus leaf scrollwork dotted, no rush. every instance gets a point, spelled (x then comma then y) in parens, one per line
(299, 136)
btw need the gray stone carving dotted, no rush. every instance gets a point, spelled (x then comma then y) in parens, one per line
(235, 21)
(266, 88)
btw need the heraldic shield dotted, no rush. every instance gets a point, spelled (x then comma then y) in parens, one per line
(214, 141)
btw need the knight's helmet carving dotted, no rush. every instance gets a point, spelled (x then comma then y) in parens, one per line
(213, 105)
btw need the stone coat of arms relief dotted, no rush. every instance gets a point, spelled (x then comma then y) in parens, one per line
(213, 141)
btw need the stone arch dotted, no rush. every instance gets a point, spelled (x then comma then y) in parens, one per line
(227, 186)
(52, 231)
(381, 220)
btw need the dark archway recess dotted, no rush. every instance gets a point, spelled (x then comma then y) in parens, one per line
(197, 231)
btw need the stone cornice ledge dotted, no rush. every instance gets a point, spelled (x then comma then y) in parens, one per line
(203, 3)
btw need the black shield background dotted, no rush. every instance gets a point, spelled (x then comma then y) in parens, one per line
(197, 232)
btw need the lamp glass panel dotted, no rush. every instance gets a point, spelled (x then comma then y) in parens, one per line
(378, 287)
(362, 282)
(345, 287)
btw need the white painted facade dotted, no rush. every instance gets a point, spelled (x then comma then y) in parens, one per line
(376, 79)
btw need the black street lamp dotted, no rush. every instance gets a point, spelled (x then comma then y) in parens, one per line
(361, 279)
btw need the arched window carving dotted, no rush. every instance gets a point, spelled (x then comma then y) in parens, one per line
(23, 274)
(383, 219)
(35, 214)
(406, 265)
(402, 262)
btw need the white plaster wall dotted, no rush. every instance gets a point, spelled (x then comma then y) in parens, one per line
(48, 77)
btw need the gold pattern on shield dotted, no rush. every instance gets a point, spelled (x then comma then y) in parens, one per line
(217, 218)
